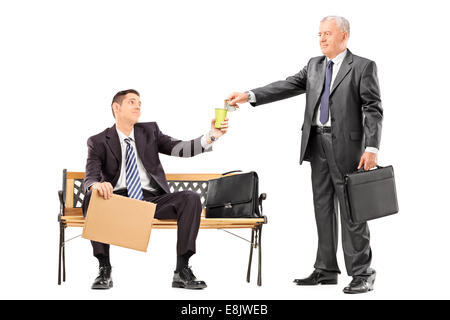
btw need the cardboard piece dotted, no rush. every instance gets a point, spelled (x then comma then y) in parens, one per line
(120, 221)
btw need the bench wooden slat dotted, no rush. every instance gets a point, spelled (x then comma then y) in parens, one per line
(77, 221)
(222, 226)
(73, 212)
(216, 221)
(79, 212)
(246, 226)
(169, 176)
(75, 175)
(204, 221)
(192, 176)
(72, 218)
(69, 193)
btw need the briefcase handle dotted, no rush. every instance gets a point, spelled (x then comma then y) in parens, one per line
(362, 169)
(224, 174)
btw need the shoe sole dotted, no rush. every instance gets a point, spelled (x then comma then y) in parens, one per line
(326, 283)
(103, 287)
(182, 286)
(356, 292)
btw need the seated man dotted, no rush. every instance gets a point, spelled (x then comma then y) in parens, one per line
(124, 160)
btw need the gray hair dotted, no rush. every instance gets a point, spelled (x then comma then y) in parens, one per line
(342, 23)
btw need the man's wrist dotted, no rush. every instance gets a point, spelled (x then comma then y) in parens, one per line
(206, 142)
(251, 96)
(372, 150)
(211, 136)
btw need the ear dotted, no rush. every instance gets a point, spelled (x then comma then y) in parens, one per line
(115, 107)
(346, 36)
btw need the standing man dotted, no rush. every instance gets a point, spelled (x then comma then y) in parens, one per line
(124, 160)
(341, 133)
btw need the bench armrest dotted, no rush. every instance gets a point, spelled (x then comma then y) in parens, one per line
(61, 204)
(262, 196)
(60, 195)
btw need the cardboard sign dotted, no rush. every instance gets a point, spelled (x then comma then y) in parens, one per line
(119, 221)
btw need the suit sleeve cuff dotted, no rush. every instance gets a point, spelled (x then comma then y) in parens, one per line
(252, 97)
(372, 149)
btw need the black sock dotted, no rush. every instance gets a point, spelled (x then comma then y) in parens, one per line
(103, 261)
(183, 261)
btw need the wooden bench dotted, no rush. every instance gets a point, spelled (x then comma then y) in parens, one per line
(70, 215)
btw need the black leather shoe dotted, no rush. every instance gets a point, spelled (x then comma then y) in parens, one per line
(104, 280)
(318, 277)
(361, 284)
(186, 279)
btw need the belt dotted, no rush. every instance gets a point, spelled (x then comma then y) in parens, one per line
(321, 130)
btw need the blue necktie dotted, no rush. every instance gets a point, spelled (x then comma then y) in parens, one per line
(133, 180)
(324, 101)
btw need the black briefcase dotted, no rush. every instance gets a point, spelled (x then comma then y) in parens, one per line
(234, 196)
(371, 194)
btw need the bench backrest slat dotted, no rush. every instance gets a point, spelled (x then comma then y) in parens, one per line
(192, 176)
(75, 175)
(73, 187)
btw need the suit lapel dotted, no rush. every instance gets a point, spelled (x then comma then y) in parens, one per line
(112, 140)
(139, 136)
(317, 82)
(343, 70)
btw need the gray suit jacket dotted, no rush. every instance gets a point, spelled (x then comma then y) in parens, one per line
(355, 105)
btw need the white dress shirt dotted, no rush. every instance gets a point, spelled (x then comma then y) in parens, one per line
(337, 62)
(143, 175)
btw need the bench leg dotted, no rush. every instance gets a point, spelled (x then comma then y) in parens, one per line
(64, 253)
(61, 230)
(251, 256)
(259, 256)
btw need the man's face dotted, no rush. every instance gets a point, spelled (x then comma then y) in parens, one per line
(130, 109)
(332, 40)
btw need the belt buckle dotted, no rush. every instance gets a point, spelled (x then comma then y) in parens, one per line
(325, 129)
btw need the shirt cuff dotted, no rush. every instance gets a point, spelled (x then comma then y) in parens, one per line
(205, 144)
(89, 186)
(252, 98)
(372, 149)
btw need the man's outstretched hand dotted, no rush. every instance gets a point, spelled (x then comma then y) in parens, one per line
(237, 97)
(217, 133)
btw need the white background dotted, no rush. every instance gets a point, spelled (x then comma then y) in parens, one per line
(62, 62)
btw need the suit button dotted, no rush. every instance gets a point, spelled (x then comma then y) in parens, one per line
(333, 119)
(333, 136)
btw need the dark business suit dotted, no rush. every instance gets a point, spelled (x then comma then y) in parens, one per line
(356, 120)
(104, 164)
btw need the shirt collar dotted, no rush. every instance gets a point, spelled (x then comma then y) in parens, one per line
(122, 136)
(339, 58)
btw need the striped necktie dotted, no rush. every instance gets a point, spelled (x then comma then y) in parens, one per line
(133, 180)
